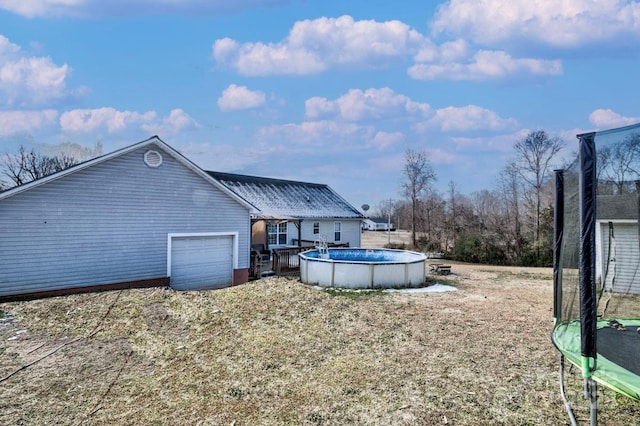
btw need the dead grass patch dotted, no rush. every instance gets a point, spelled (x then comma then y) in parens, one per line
(278, 352)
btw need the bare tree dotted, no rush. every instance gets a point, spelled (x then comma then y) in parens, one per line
(617, 162)
(418, 175)
(535, 154)
(510, 190)
(26, 166)
(434, 211)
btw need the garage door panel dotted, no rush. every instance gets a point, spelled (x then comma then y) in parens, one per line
(201, 262)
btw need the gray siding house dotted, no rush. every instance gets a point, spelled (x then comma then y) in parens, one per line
(291, 213)
(140, 216)
(617, 243)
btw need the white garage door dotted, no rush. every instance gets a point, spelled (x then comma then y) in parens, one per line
(201, 262)
(624, 265)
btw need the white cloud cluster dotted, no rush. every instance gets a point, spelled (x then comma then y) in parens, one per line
(557, 23)
(316, 45)
(315, 133)
(470, 118)
(98, 8)
(385, 104)
(607, 119)
(12, 122)
(28, 81)
(370, 104)
(485, 65)
(501, 142)
(383, 140)
(91, 120)
(176, 121)
(113, 121)
(235, 98)
(370, 118)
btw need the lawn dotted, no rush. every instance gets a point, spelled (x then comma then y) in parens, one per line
(277, 352)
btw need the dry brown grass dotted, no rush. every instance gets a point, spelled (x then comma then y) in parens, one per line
(276, 352)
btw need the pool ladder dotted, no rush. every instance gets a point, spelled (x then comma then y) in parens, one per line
(321, 246)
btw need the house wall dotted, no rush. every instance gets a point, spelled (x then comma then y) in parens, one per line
(350, 233)
(109, 224)
(623, 263)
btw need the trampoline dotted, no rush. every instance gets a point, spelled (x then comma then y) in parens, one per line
(597, 264)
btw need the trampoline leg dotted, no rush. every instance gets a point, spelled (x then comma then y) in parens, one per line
(567, 405)
(591, 392)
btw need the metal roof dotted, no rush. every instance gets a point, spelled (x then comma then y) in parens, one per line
(617, 207)
(287, 199)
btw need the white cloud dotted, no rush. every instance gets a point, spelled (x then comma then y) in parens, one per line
(557, 23)
(370, 104)
(113, 121)
(176, 121)
(315, 133)
(384, 140)
(313, 46)
(97, 8)
(606, 119)
(30, 80)
(25, 121)
(468, 118)
(502, 142)
(240, 97)
(485, 65)
(110, 119)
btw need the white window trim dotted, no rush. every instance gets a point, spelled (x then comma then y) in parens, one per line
(171, 236)
(278, 233)
(334, 231)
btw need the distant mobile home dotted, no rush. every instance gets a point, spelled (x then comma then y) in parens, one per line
(377, 224)
(141, 216)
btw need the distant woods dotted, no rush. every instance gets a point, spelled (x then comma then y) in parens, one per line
(25, 165)
(509, 224)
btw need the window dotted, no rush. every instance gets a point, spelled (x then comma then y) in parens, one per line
(277, 233)
(337, 227)
(316, 228)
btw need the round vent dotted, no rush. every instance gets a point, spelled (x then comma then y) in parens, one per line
(152, 158)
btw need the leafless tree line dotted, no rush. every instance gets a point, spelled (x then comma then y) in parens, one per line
(511, 223)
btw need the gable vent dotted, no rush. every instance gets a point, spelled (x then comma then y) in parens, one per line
(152, 158)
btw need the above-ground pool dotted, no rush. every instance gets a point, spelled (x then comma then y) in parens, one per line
(362, 268)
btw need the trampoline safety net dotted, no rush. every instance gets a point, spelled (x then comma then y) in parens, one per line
(597, 259)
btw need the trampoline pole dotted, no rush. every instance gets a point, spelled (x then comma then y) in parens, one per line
(593, 401)
(567, 404)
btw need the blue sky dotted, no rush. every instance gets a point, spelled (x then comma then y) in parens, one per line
(323, 91)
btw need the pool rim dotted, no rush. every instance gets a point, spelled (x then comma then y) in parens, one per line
(421, 256)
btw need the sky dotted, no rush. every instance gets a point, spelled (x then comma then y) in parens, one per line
(321, 91)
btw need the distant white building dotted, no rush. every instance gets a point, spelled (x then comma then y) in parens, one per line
(377, 224)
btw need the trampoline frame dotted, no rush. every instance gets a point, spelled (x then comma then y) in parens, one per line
(576, 340)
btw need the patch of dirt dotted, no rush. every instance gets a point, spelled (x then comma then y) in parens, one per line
(160, 321)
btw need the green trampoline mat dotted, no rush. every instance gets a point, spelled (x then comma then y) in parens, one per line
(618, 360)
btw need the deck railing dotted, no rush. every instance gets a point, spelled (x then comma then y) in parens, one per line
(286, 261)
